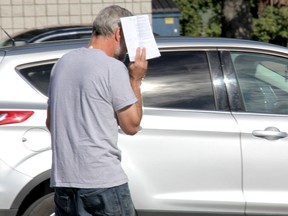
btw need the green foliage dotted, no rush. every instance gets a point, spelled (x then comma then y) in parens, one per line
(283, 23)
(213, 29)
(203, 18)
(265, 27)
(272, 26)
(191, 21)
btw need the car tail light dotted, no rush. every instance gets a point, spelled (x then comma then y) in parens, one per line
(12, 117)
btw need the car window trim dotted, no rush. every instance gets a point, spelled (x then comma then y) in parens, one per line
(219, 88)
(233, 91)
(33, 64)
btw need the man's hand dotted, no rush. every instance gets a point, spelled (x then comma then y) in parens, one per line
(138, 68)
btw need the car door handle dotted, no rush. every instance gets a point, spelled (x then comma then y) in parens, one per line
(270, 133)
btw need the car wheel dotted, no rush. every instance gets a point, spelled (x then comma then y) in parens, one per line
(44, 206)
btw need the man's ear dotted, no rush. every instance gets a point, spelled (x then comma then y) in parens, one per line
(118, 34)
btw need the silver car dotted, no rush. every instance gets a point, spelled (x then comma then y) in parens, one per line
(213, 139)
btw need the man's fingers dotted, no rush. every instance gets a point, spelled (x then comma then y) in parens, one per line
(138, 52)
(143, 54)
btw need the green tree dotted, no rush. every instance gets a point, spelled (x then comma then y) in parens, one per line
(249, 19)
(191, 20)
(272, 26)
(213, 25)
(207, 17)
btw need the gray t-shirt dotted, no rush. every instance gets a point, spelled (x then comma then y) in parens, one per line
(87, 87)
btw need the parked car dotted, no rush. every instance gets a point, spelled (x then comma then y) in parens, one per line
(213, 139)
(48, 34)
(55, 33)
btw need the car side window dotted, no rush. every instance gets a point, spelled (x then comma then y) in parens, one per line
(179, 80)
(263, 82)
(38, 76)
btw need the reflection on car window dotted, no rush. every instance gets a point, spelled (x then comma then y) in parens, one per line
(38, 76)
(67, 37)
(179, 80)
(263, 81)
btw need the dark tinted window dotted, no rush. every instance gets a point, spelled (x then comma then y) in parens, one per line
(38, 76)
(179, 80)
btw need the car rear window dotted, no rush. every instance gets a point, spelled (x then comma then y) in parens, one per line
(38, 76)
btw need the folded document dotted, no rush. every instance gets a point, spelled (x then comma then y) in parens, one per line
(138, 33)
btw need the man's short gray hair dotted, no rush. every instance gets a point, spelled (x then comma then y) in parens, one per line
(108, 20)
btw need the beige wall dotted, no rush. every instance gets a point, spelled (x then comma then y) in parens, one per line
(19, 15)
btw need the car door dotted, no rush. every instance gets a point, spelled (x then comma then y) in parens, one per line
(263, 83)
(186, 160)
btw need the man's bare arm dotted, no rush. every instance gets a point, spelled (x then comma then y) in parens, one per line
(130, 117)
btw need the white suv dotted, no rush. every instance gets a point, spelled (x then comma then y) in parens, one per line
(213, 139)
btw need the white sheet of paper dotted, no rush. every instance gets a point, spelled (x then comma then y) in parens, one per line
(138, 33)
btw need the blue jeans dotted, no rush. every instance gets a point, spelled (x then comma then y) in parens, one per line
(115, 201)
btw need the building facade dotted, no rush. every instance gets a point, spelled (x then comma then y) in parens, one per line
(20, 15)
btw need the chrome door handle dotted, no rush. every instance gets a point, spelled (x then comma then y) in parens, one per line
(270, 133)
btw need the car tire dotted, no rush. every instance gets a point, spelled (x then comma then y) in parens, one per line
(44, 206)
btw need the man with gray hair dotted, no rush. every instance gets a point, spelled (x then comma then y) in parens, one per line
(91, 94)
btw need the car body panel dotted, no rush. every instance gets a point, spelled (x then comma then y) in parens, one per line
(9, 186)
(265, 164)
(187, 171)
(263, 135)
